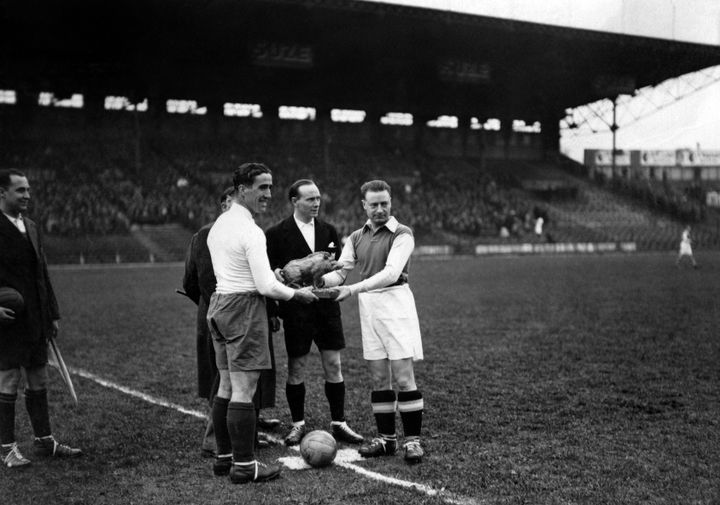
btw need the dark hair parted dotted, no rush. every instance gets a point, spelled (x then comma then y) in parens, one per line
(245, 174)
(229, 191)
(375, 186)
(294, 190)
(6, 174)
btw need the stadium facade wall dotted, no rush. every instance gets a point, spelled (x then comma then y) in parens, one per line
(560, 248)
(670, 165)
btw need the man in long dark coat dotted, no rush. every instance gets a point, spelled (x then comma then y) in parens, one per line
(24, 334)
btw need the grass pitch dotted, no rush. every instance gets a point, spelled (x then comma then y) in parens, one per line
(574, 379)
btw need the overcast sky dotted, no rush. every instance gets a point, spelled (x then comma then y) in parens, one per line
(689, 122)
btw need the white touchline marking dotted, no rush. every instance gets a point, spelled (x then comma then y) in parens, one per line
(136, 394)
(423, 488)
(297, 463)
(344, 457)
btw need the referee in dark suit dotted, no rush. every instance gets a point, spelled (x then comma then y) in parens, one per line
(296, 237)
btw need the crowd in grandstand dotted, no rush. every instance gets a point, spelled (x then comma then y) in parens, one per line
(684, 202)
(87, 191)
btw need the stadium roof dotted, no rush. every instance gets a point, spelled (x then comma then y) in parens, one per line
(327, 53)
(690, 21)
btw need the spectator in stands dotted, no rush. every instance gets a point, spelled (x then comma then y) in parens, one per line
(120, 195)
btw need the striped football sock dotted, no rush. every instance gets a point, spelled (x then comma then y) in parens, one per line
(411, 406)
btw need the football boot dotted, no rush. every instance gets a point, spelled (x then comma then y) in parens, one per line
(379, 446)
(413, 451)
(240, 473)
(48, 446)
(222, 464)
(267, 424)
(297, 432)
(343, 433)
(12, 457)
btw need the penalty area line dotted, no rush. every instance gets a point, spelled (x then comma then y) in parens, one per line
(346, 458)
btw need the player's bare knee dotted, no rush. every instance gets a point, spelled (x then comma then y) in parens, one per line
(36, 378)
(332, 366)
(243, 386)
(296, 369)
(224, 391)
(333, 374)
(407, 384)
(224, 386)
(381, 380)
(242, 396)
(243, 391)
(9, 380)
(405, 377)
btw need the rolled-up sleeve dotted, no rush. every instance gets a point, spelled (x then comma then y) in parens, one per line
(265, 280)
(347, 260)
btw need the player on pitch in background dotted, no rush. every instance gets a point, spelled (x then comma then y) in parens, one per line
(237, 317)
(686, 248)
(292, 238)
(391, 340)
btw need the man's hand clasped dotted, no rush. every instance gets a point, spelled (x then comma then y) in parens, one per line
(304, 295)
(344, 292)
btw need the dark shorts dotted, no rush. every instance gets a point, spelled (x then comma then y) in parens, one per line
(16, 353)
(239, 327)
(312, 324)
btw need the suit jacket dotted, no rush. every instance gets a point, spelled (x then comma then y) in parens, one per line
(285, 242)
(23, 267)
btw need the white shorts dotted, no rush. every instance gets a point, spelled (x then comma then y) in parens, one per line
(389, 324)
(685, 249)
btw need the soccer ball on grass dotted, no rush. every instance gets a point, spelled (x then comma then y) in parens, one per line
(318, 448)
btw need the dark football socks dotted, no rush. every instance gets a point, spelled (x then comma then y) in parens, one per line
(219, 415)
(241, 426)
(383, 405)
(295, 394)
(7, 418)
(36, 403)
(335, 393)
(410, 406)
